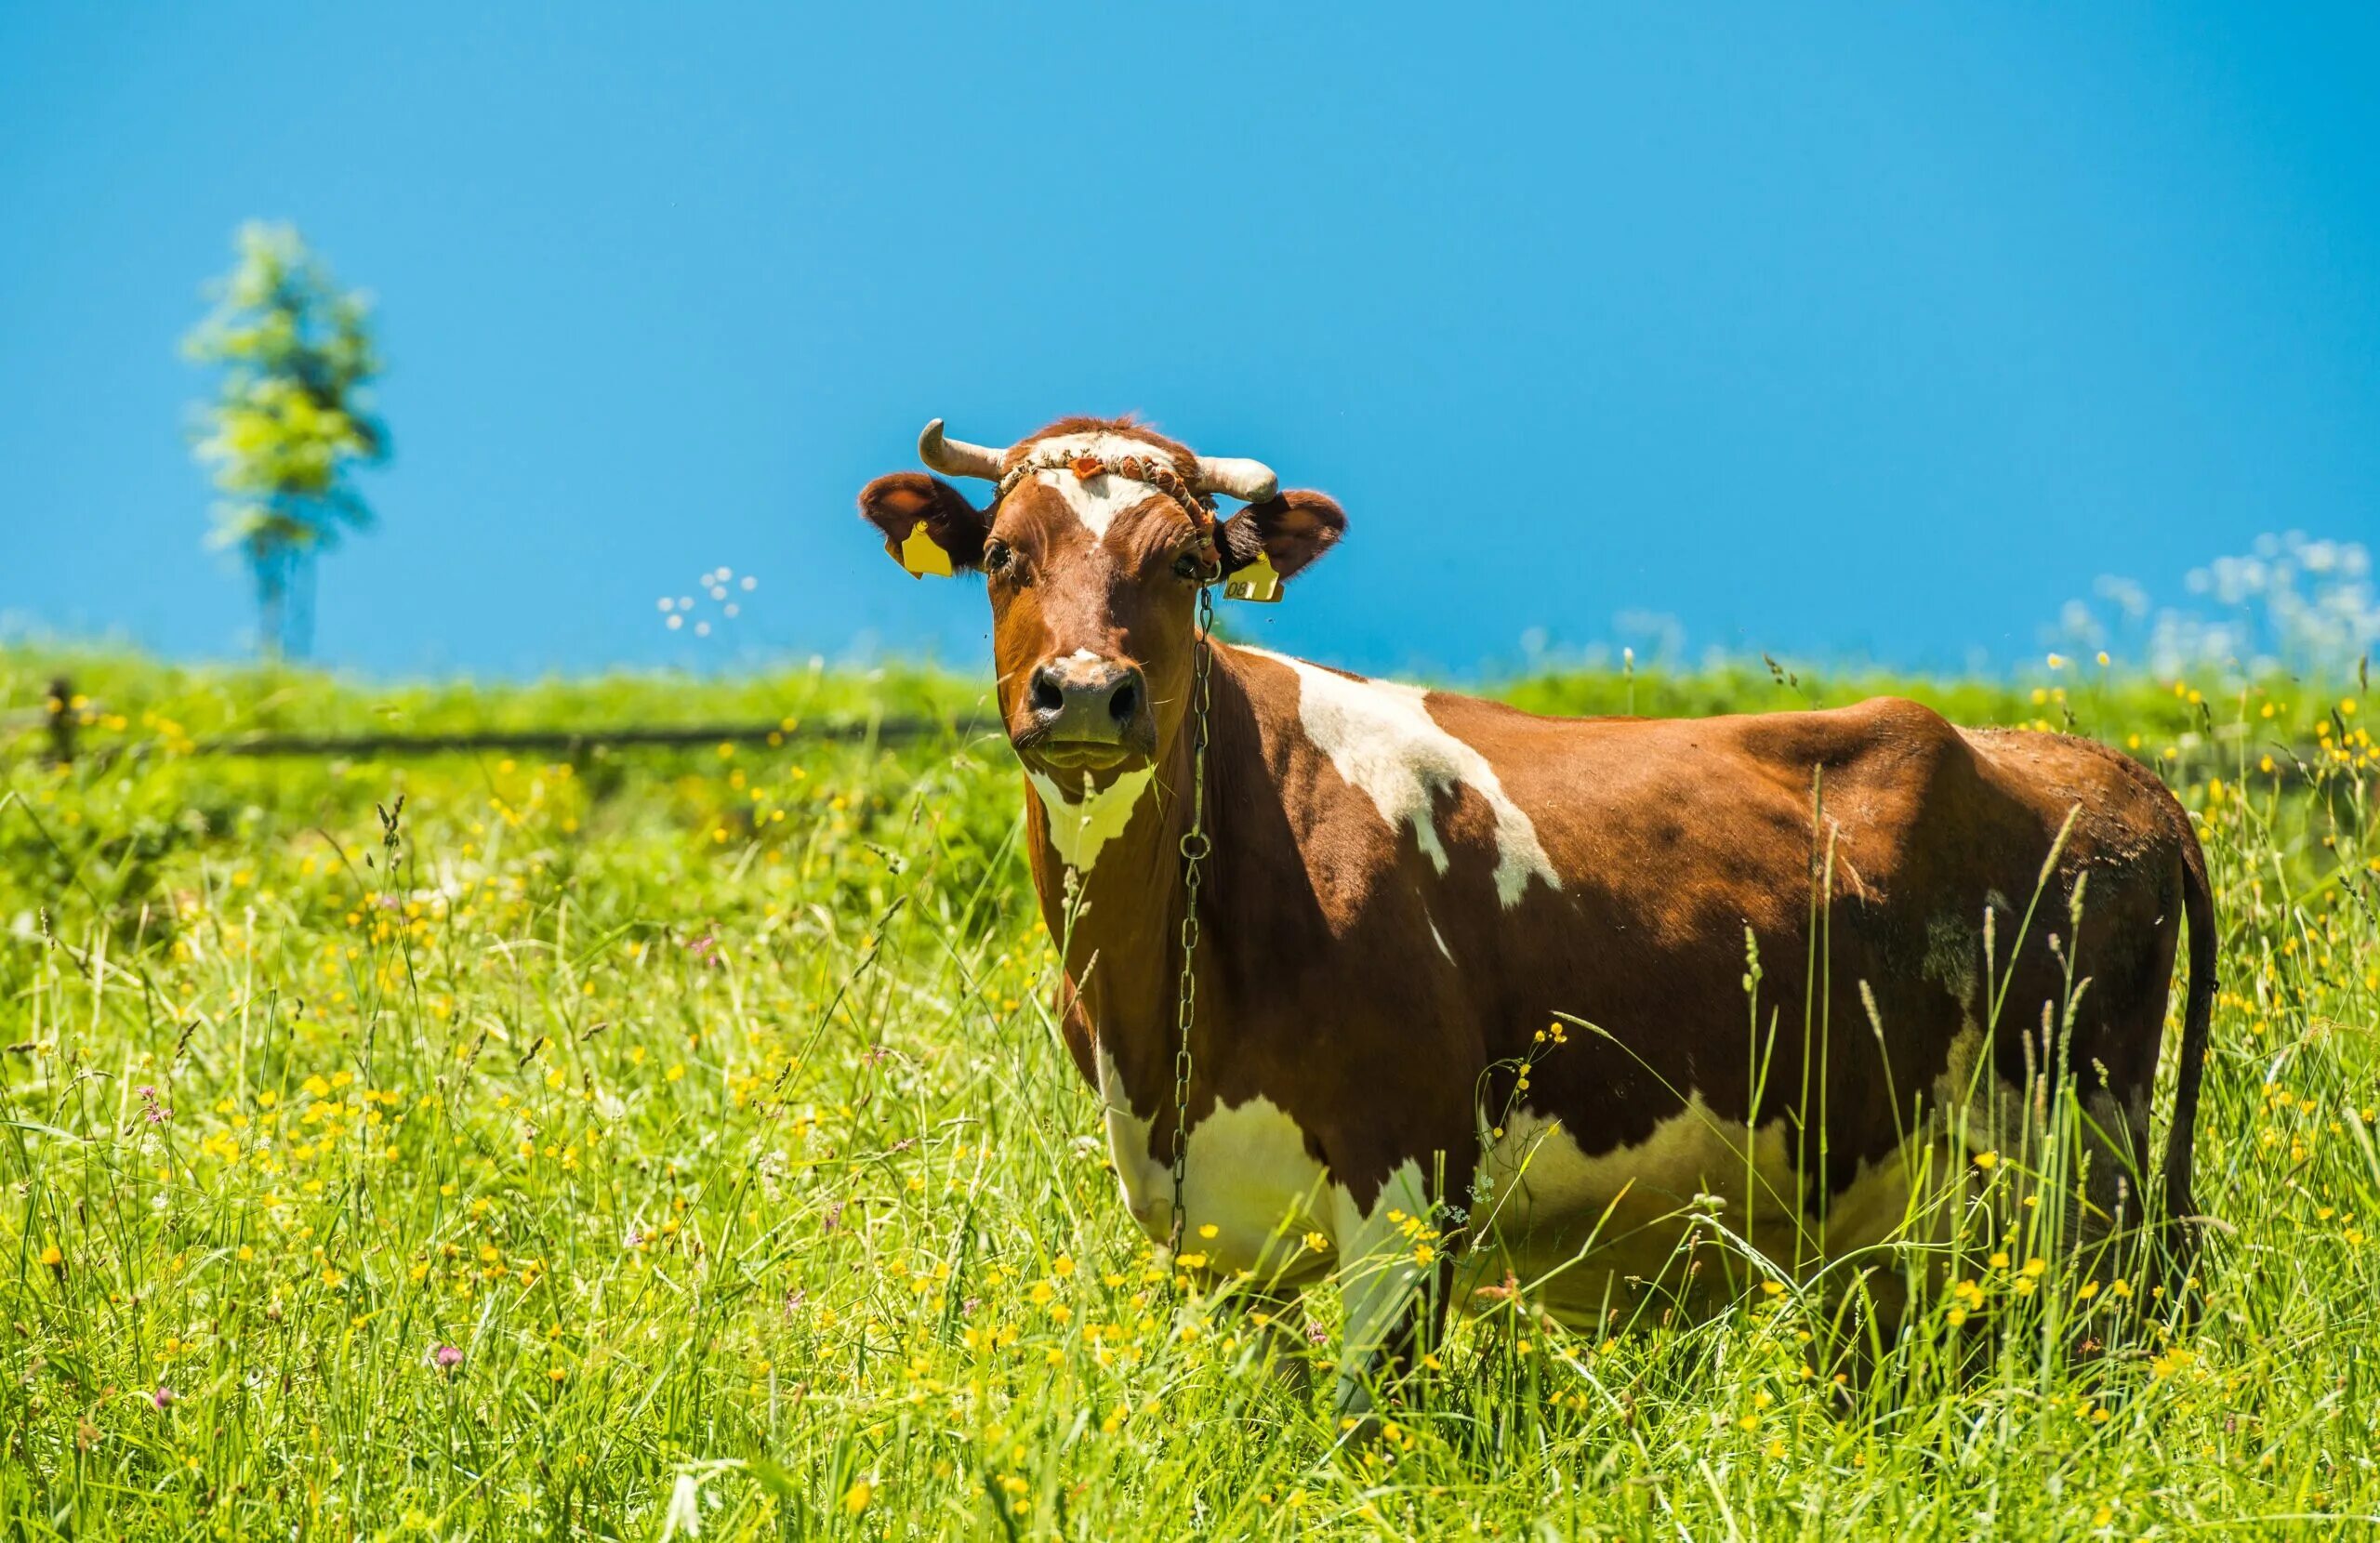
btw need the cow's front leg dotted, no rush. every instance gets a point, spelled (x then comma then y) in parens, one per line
(1395, 1272)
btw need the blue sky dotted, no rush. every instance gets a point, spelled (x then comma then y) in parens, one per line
(1825, 330)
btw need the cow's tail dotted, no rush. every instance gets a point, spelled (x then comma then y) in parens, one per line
(2197, 909)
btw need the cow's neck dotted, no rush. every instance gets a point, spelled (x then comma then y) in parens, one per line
(1118, 920)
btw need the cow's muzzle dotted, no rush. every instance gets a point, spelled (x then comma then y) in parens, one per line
(1086, 712)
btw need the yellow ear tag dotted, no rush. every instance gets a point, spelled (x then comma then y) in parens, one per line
(922, 555)
(1256, 582)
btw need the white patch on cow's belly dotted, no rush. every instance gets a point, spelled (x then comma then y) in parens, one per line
(1277, 1213)
(1080, 825)
(1249, 1178)
(1574, 1230)
(1579, 1233)
(1381, 738)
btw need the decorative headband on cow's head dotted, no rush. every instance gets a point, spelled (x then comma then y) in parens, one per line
(1235, 477)
(1251, 482)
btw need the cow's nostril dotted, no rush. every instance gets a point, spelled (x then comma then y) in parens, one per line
(1048, 697)
(1120, 707)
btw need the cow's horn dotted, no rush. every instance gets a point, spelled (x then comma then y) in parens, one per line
(1250, 481)
(956, 458)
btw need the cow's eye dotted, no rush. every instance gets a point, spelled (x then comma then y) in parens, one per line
(1190, 567)
(997, 557)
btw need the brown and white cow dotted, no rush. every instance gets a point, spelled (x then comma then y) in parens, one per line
(1406, 887)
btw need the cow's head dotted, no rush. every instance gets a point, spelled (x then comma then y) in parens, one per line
(1098, 533)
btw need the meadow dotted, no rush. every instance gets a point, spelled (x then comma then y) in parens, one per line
(678, 1142)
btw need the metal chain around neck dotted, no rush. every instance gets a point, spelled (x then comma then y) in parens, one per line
(1195, 846)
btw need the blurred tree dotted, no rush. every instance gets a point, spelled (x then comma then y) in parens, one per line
(288, 422)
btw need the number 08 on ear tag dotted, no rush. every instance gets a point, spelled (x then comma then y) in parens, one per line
(1257, 582)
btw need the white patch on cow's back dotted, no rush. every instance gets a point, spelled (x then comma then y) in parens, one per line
(1081, 825)
(1381, 738)
(1250, 1177)
(1096, 501)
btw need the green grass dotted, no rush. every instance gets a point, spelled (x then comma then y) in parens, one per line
(710, 1106)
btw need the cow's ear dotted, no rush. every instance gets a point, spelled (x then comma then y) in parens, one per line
(928, 527)
(1289, 531)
